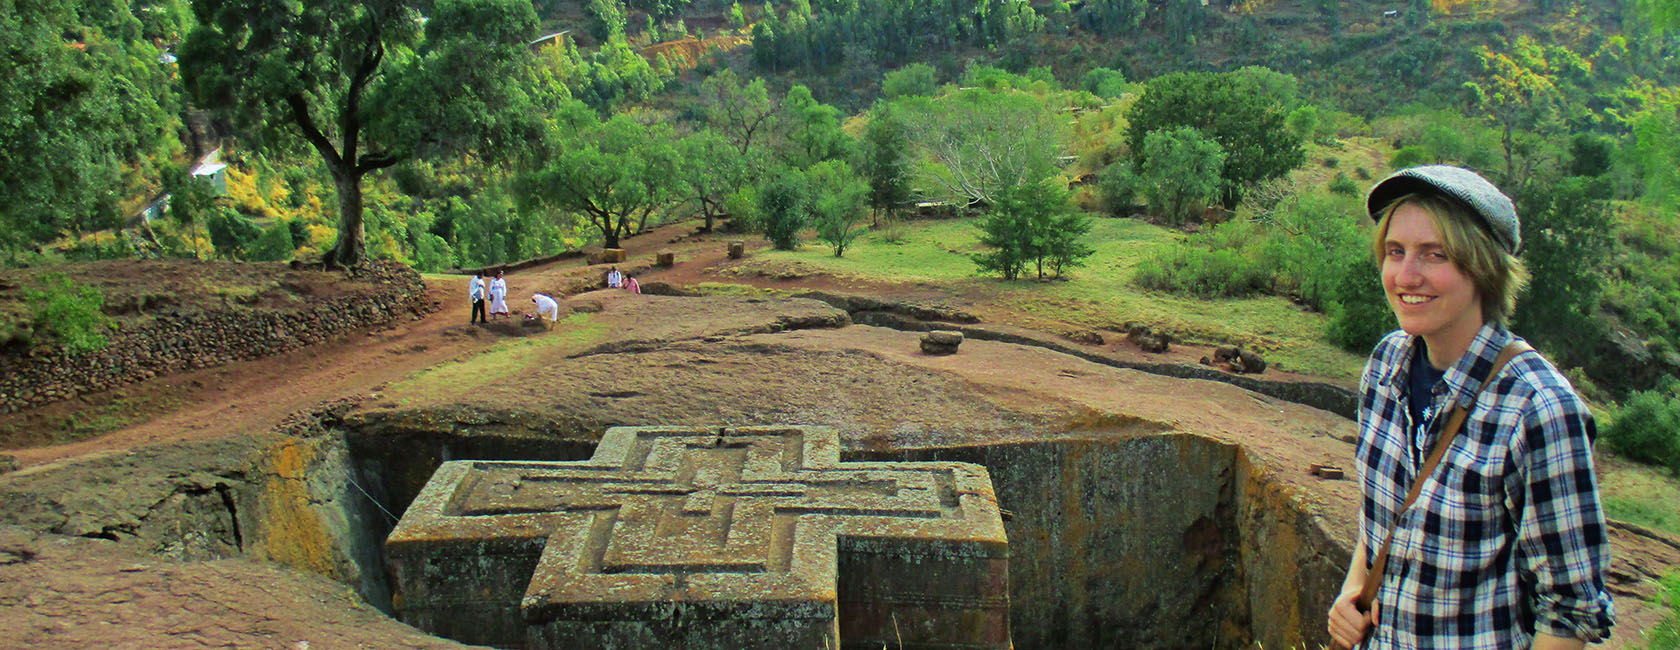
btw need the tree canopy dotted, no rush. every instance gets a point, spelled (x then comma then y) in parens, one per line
(365, 84)
(1234, 110)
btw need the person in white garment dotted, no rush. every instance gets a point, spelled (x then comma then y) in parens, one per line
(546, 307)
(475, 293)
(498, 297)
(615, 279)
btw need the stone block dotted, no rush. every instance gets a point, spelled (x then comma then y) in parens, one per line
(612, 255)
(737, 249)
(667, 259)
(694, 538)
(941, 342)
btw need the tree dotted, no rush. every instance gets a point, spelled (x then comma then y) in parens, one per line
(362, 85)
(1567, 238)
(1107, 83)
(1180, 172)
(837, 203)
(606, 19)
(1231, 109)
(1031, 223)
(886, 161)
(783, 205)
(813, 130)
(744, 113)
(1517, 92)
(712, 170)
(913, 79)
(1112, 17)
(615, 173)
(984, 141)
(83, 103)
(737, 18)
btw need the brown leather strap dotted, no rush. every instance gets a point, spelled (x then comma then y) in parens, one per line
(1374, 577)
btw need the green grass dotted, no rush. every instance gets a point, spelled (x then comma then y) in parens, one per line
(500, 364)
(1641, 494)
(1097, 295)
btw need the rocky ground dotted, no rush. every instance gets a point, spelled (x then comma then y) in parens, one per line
(73, 575)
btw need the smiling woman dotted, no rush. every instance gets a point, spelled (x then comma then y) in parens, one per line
(1498, 538)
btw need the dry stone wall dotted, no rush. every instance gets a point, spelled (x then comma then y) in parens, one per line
(189, 341)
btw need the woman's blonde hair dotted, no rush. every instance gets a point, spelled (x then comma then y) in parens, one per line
(1498, 276)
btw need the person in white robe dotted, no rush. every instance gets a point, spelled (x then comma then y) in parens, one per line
(498, 297)
(546, 307)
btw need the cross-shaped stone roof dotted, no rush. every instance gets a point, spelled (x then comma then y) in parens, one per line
(749, 537)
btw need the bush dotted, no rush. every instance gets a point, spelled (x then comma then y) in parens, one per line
(1202, 273)
(1344, 186)
(1117, 188)
(1411, 156)
(275, 245)
(1647, 429)
(1359, 313)
(916, 79)
(71, 313)
(783, 205)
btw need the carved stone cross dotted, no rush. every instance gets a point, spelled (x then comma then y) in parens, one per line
(691, 538)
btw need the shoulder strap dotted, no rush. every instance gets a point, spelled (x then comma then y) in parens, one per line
(1374, 578)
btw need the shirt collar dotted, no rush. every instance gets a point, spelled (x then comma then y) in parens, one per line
(1465, 377)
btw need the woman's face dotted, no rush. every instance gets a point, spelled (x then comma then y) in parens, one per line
(1430, 296)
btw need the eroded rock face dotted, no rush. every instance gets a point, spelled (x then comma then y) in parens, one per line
(738, 538)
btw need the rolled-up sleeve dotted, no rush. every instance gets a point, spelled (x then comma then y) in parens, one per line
(1563, 547)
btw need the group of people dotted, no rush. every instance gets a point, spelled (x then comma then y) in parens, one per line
(616, 280)
(489, 299)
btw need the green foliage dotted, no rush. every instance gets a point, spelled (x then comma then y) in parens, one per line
(606, 78)
(813, 130)
(712, 169)
(1243, 112)
(1567, 239)
(886, 160)
(1359, 311)
(1411, 156)
(366, 84)
(783, 206)
(1117, 187)
(1303, 122)
(87, 117)
(1590, 154)
(1104, 82)
(737, 18)
(1307, 243)
(617, 174)
(892, 30)
(838, 196)
(982, 142)
(1112, 17)
(70, 312)
(1203, 273)
(1647, 428)
(1666, 634)
(1181, 172)
(275, 245)
(913, 79)
(230, 232)
(1344, 186)
(1656, 134)
(606, 19)
(1032, 224)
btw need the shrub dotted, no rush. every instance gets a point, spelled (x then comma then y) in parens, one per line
(1202, 273)
(916, 79)
(1411, 156)
(275, 245)
(1359, 313)
(1647, 429)
(1117, 188)
(1343, 185)
(71, 313)
(782, 205)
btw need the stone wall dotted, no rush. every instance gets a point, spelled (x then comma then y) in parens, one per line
(172, 343)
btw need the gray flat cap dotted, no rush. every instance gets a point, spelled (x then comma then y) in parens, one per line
(1461, 184)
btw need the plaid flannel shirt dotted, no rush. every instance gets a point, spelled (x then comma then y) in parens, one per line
(1507, 538)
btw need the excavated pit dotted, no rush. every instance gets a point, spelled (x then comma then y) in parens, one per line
(1152, 541)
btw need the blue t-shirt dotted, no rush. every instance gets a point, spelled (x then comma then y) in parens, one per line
(1421, 382)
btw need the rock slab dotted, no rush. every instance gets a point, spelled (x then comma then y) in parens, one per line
(754, 537)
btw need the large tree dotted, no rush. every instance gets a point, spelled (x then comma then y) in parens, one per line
(984, 141)
(616, 174)
(1238, 111)
(365, 83)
